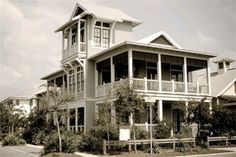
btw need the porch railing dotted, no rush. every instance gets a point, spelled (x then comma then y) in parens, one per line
(80, 128)
(148, 85)
(73, 49)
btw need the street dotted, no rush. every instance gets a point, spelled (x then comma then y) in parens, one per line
(19, 151)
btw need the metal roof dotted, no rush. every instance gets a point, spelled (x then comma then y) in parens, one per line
(150, 45)
(221, 82)
(100, 12)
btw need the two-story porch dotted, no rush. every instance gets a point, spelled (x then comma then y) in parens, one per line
(163, 75)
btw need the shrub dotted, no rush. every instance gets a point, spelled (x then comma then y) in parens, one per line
(161, 131)
(11, 140)
(69, 141)
(90, 143)
(140, 134)
(39, 138)
(182, 147)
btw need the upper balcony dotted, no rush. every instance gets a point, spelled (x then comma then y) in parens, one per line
(74, 43)
(151, 73)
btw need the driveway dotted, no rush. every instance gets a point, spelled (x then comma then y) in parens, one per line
(19, 151)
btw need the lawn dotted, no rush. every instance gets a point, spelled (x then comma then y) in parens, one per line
(61, 155)
(169, 153)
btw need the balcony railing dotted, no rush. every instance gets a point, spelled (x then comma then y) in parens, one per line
(147, 85)
(79, 128)
(73, 49)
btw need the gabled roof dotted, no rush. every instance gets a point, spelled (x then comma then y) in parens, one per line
(221, 82)
(57, 72)
(99, 12)
(158, 35)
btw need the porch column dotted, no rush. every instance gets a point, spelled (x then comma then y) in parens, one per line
(185, 76)
(209, 77)
(130, 64)
(63, 44)
(76, 119)
(159, 72)
(112, 71)
(210, 107)
(70, 39)
(186, 108)
(76, 82)
(68, 86)
(96, 80)
(160, 110)
(68, 119)
(78, 35)
(131, 120)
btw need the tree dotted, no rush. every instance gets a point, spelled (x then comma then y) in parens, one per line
(223, 121)
(11, 116)
(55, 101)
(198, 112)
(128, 103)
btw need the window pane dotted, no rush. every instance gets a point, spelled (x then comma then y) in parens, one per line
(106, 25)
(98, 24)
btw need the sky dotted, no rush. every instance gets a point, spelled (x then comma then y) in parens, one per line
(29, 48)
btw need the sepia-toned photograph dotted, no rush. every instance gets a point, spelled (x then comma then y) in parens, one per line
(117, 78)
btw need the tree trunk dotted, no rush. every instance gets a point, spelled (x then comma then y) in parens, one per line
(59, 135)
(135, 145)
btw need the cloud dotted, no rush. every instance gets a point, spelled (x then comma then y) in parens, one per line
(205, 38)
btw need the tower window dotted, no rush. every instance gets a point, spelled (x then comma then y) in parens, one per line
(101, 34)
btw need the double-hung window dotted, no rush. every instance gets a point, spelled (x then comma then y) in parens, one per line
(102, 34)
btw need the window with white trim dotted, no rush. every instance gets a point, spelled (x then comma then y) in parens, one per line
(102, 34)
(80, 79)
(72, 81)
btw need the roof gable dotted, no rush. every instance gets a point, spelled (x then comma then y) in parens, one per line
(161, 38)
(77, 11)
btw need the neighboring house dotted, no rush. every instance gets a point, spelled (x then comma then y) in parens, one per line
(98, 52)
(223, 84)
(28, 101)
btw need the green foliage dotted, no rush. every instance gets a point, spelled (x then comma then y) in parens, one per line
(161, 130)
(140, 134)
(38, 138)
(127, 102)
(90, 143)
(70, 142)
(11, 140)
(92, 140)
(223, 122)
(182, 147)
(199, 113)
(37, 127)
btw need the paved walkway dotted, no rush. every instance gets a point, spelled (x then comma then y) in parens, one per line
(20, 151)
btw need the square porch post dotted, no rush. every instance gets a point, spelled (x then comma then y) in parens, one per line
(112, 71)
(160, 110)
(159, 72)
(185, 76)
(130, 65)
(78, 35)
(76, 119)
(209, 77)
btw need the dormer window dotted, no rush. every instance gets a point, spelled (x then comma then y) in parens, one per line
(102, 34)
(221, 66)
(227, 64)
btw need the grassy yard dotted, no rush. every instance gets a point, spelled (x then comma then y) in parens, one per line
(169, 153)
(61, 155)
